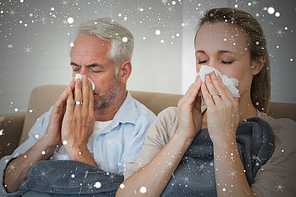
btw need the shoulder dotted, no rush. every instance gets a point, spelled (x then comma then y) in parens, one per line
(140, 108)
(164, 126)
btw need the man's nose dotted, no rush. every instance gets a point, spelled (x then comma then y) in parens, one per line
(84, 71)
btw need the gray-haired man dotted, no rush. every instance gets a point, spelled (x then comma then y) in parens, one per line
(104, 127)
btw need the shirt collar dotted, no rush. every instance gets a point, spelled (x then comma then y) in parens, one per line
(127, 113)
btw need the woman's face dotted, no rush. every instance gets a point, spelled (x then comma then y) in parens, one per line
(224, 47)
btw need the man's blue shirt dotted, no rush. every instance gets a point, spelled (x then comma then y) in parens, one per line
(120, 142)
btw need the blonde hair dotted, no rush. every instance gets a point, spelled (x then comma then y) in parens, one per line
(260, 88)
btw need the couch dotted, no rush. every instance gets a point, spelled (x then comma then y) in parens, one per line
(14, 127)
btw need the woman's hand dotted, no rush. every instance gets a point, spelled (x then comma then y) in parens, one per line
(222, 121)
(222, 110)
(189, 112)
(78, 123)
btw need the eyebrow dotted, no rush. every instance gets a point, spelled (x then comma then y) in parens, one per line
(89, 66)
(219, 52)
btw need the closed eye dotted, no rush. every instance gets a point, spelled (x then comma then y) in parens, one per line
(226, 62)
(202, 62)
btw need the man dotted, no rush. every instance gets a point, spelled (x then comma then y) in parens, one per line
(105, 127)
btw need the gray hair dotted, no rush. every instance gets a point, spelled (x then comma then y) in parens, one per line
(120, 38)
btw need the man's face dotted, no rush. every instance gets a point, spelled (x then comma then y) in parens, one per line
(89, 56)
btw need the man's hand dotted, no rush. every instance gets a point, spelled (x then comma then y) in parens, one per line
(17, 169)
(78, 122)
(53, 132)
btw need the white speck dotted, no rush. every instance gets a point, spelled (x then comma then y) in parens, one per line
(121, 186)
(70, 20)
(270, 10)
(177, 34)
(291, 60)
(283, 150)
(28, 49)
(98, 185)
(10, 46)
(164, 1)
(36, 136)
(22, 1)
(72, 176)
(43, 152)
(31, 110)
(277, 14)
(162, 41)
(173, 2)
(279, 187)
(225, 39)
(15, 109)
(257, 43)
(223, 189)
(157, 32)
(71, 44)
(124, 39)
(1, 131)
(65, 142)
(120, 15)
(143, 190)
(236, 6)
(257, 103)
(52, 9)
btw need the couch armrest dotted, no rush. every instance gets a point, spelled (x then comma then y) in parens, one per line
(11, 126)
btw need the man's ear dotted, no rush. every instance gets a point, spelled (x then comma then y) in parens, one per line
(125, 71)
(257, 65)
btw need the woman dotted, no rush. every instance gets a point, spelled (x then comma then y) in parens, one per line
(172, 161)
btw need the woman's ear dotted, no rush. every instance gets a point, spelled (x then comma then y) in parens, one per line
(257, 65)
(125, 71)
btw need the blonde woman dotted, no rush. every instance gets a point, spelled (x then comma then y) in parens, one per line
(230, 147)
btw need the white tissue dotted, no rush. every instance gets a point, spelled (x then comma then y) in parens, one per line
(230, 83)
(79, 76)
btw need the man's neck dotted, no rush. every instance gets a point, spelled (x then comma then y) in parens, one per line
(106, 114)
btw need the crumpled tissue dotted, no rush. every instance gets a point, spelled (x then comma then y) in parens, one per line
(230, 83)
(79, 76)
